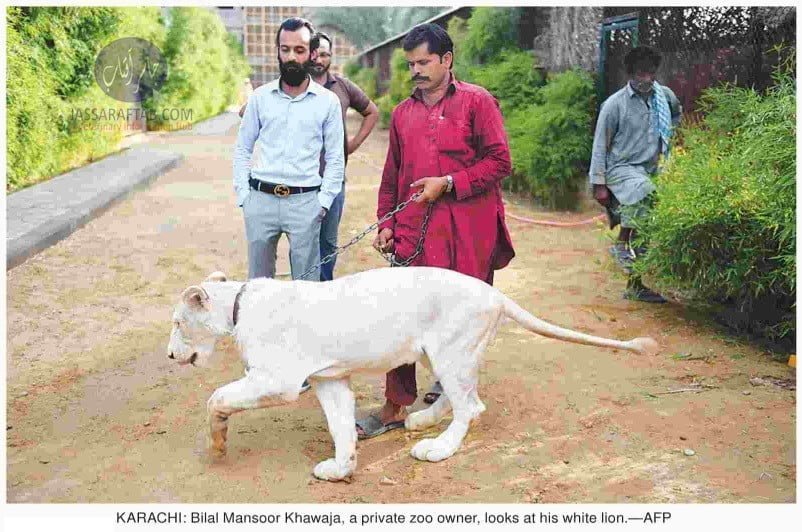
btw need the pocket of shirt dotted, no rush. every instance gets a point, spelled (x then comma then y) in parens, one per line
(456, 136)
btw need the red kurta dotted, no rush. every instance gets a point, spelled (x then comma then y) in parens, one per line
(462, 135)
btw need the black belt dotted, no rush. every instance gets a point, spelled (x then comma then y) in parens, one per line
(278, 190)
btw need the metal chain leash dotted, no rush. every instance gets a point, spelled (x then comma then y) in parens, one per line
(388, 257)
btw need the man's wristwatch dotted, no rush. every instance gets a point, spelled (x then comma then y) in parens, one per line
(450, 185)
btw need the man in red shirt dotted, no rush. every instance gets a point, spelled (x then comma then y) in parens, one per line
(447, 141)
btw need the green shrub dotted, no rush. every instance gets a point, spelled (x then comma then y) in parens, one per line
(206, 68)
(512, 79)
(723, 230)
(551, 141)
(367, 79)
(31, 106)
(400, 87)
(68, 39)
(386, 106)
(50, 56)
(490, 31)
(351, 69)
(458, 31)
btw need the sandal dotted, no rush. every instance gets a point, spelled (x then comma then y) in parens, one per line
(433, 394)
(372, 426)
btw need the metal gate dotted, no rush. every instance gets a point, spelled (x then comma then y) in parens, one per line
(617, 35)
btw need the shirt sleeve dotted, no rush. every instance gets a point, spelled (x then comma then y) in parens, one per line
(606, 128)
(243, 150)
(357, 98)
(388, 189)
(493, 153)
(333, 141)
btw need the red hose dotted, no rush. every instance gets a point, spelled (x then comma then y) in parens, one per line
(556, 224)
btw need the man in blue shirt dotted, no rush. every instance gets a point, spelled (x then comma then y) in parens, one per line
(289, 121)
(633, 130)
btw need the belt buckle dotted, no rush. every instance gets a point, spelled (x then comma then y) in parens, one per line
(281, 191)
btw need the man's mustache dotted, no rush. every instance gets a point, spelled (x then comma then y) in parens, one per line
(420, 78)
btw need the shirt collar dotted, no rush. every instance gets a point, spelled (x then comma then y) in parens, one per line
(453, 86)
(630, 91)
(314, 88)
(330, 80)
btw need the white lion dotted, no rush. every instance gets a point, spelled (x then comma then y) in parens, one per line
(369, 322)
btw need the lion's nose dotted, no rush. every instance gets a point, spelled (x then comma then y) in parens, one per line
(171, 356)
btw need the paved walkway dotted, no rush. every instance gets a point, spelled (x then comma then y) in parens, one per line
(39, 216)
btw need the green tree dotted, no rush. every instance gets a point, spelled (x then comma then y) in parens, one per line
(366, 26)
(206, 67)
(491, 30)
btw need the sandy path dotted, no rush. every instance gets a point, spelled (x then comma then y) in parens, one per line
(96, 413)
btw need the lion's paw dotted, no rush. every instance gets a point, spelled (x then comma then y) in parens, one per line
(216, 454)
(419, 420)
(431, 450)
(330, 470)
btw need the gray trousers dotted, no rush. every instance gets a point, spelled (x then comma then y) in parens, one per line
(267, 217)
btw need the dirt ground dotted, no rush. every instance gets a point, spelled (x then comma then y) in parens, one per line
(97, 413)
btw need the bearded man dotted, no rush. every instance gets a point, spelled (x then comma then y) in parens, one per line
(292, 120)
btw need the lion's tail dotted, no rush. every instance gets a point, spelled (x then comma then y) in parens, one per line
(513, 311)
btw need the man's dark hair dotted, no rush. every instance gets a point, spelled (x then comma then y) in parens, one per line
(296, 23)
(435, 36)
(321, 35)
(643, 59)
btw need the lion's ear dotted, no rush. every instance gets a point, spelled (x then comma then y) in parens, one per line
(219, 277)
(196, 298)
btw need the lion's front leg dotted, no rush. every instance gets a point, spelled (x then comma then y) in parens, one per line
(252, 391)
(337, 400)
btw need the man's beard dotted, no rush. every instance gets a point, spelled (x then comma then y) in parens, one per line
(293, 73)
(642, 87)
(317, 70)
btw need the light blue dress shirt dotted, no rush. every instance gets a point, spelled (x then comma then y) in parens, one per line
(289, 134)
(626, 146)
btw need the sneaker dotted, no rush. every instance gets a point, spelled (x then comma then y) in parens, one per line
(644, 295)
(305, 387)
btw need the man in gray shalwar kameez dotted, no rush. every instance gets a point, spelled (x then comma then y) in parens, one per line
(632, 132)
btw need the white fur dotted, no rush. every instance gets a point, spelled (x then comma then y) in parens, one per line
(369, 322)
